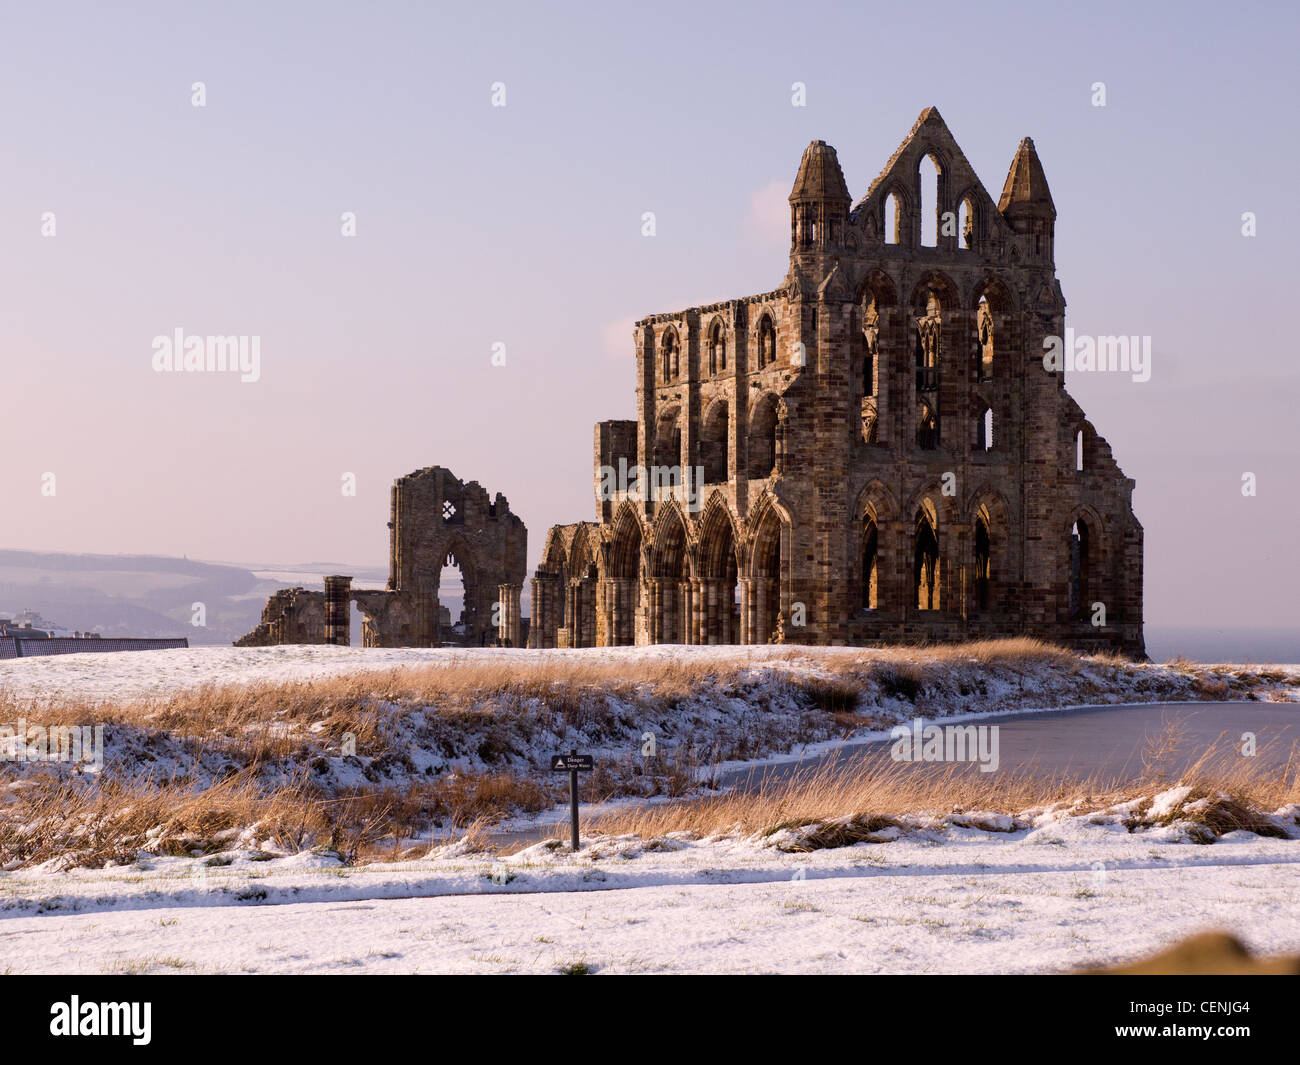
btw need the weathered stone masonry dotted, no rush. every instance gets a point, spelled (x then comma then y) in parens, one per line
(434, 518)
(885, 457)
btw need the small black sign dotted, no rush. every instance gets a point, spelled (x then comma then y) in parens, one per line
(569, 762)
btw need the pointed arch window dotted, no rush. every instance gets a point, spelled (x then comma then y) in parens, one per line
(766, 342)
(870, 565)
(930, 205)
(983, 560)
(926, 565)
(717, 350)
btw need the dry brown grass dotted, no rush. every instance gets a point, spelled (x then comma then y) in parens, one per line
(269, 736)
(878, 790)
(54, 819)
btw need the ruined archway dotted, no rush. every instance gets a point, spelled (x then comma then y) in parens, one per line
(719, 576)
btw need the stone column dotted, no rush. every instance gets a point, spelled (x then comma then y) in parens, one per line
(338, 599)
(508, 610)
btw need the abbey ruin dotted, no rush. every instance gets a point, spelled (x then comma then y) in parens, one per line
(873, 452)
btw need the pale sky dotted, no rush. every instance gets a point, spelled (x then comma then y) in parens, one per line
(522, 225)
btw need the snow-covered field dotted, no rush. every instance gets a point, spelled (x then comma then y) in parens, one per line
(1062, 894)
(1052, 891)
(146, 673)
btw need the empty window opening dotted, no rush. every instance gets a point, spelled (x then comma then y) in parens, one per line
(983, 557)
(766, 342)
(713, 444)
(870, 566)
(1079, 565)
(926, 567)
(893, 219)
(762, 440)
(1078, 451)
(927, 428)
(984, 331)
(930, 206)
(453, 616)
(717, 351)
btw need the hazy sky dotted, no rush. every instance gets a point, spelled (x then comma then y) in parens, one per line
(522, 225)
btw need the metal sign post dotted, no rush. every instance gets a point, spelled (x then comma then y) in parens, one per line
(573, 763)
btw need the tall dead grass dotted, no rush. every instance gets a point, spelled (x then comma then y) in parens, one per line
(1237, 791)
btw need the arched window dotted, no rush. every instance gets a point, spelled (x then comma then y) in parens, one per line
(870, 565)
(717, 350)
(713, 444)
(762, 439)
(927, 428)
(930, 206)
(669, 358)
(926, 567)
(983, 559)
(893, 218)
(966, 224)
(984, 333)
(667, 447)
(1080, 552)
(984, 430)
(766, 342)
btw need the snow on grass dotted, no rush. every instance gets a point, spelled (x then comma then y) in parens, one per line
(1057, 892)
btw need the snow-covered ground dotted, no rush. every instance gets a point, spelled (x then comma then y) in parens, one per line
(1062, 894)
(147, 673)
(952, 893)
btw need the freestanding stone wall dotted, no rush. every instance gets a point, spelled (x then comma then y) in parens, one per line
(435, 520)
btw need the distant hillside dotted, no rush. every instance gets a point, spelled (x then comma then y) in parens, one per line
(151, 595)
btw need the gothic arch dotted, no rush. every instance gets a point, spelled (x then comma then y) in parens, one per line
(766, 414)
(715, 441)
(716, 340)
(669, 354)
(877, 499)
(1001, 299)
(944, 289)
(625, 545)
(879, 284)
(673, 546)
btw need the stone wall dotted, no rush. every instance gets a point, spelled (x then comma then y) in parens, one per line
(435, 519)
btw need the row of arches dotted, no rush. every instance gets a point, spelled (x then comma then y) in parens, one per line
(763, 439)
(925, 213)
(931, 329)
(719, 581)
(668, 362)
(661, 583)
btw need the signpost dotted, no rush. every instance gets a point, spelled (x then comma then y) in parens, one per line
(574, 763)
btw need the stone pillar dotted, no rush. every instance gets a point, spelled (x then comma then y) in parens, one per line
(535, 628)
(654, 620)
(338, 599)
(508, 611)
